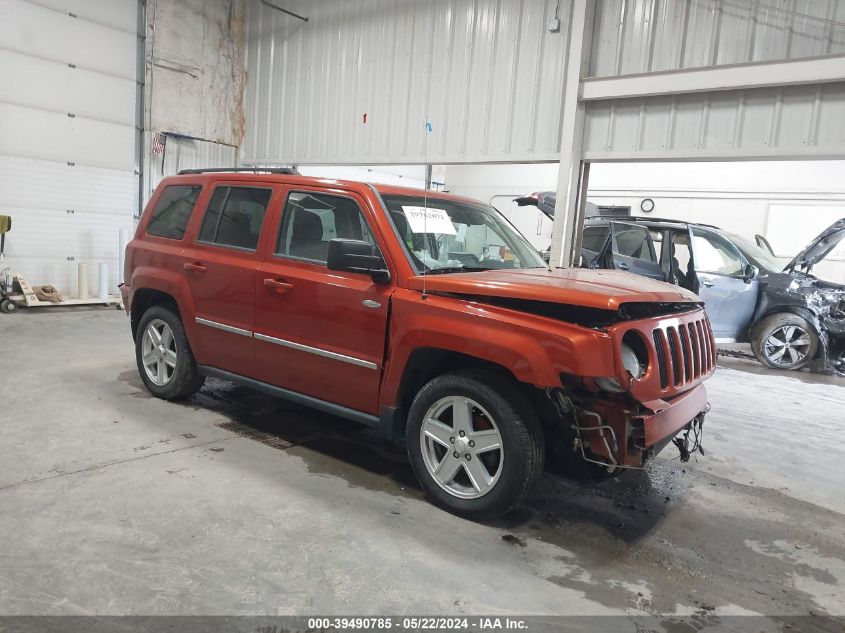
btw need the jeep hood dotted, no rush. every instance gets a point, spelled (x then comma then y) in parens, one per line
(601, 289)
(818, 248)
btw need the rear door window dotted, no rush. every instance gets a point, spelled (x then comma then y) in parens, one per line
(234, 217)
(594, 237)
(633, 250)
(173, 210)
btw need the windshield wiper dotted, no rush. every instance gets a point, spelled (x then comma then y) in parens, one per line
(456, 269)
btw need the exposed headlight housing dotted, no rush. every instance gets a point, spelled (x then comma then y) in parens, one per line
(631, 362)
(634, 352)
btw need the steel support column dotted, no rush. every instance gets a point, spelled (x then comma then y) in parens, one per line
(573, 176)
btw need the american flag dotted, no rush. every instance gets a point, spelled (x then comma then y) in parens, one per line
(159, 143)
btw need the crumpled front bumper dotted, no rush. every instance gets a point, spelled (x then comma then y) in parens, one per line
(628, 436)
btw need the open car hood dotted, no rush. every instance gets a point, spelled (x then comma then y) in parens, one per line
(819, 248)
(602, 289)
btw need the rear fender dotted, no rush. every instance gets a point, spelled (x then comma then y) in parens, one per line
(170, 283)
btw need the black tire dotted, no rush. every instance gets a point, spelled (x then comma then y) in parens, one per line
(8, 306)
(186, 379)
(521, 439)
(767, 354)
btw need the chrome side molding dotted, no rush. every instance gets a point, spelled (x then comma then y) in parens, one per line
(316, 350)
(222, 326)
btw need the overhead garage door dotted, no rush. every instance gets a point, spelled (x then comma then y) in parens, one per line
(67, 108)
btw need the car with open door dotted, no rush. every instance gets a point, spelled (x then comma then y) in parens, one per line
(791, 318)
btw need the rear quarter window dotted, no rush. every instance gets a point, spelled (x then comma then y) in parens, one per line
(172, 211)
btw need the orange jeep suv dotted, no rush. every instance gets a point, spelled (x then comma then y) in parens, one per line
(424, 315)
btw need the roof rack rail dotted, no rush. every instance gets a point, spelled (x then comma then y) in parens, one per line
(646, 218)
(287, 171)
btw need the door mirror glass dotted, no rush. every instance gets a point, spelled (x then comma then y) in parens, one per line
(357, 256)
(5, 224)
(751, 272)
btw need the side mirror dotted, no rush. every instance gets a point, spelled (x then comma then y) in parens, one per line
(5, 224)
(750, 273)
(356, 256)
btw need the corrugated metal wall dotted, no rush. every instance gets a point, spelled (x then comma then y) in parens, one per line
(487, 75)
(67, 107)
(187, 153)
(793, 121)
(636, 36)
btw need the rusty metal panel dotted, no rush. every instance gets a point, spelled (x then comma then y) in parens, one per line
(636, 36)
(487, 74)
(801, 122)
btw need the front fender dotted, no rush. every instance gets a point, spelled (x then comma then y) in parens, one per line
(536, 350)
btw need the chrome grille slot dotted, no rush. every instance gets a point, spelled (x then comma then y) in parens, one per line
(662, 357)
(674, 348)
(687, 347)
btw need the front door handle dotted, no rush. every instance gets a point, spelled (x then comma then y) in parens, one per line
(277, 284)
(622, 266)
(196, 267)
(709, 284)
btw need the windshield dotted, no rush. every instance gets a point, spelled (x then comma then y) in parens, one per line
(450, 236)
(756, 254)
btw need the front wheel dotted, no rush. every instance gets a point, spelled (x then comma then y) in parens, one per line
(7, 306)
(784, 341)
(474, 443)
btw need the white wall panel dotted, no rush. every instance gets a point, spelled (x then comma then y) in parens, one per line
(67, 101)
(34, 133)
(61, 216)
(117, 14)
(793, 121)
(487, 74)
(28, 28)
(635, 36)
(37, 83)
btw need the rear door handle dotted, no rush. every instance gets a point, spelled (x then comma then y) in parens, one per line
(278, 285)
(196, 267)
(622, 266)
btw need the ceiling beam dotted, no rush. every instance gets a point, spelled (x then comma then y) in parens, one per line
(812, 70)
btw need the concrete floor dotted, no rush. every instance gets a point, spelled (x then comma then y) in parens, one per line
(112, 502)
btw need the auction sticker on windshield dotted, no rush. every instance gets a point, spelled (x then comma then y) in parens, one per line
(429, 220)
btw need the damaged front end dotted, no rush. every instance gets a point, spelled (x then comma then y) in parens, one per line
(624, 425)
(823, 300)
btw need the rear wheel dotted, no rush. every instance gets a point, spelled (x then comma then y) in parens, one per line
(164, 357)
(784, 341)
(7, 306)
(474, 443)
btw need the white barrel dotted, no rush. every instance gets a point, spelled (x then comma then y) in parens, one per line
(121, 257)
(82, 286)
(104, 281)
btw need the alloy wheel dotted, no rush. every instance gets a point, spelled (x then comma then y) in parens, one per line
(158, 352)
(787, 345)
(462, 447)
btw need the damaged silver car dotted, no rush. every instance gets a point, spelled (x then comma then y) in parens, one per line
(819, 303)
(792, 318)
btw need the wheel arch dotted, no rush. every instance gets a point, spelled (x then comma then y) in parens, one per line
(145, 298)
(800, 311)
(804, 313)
